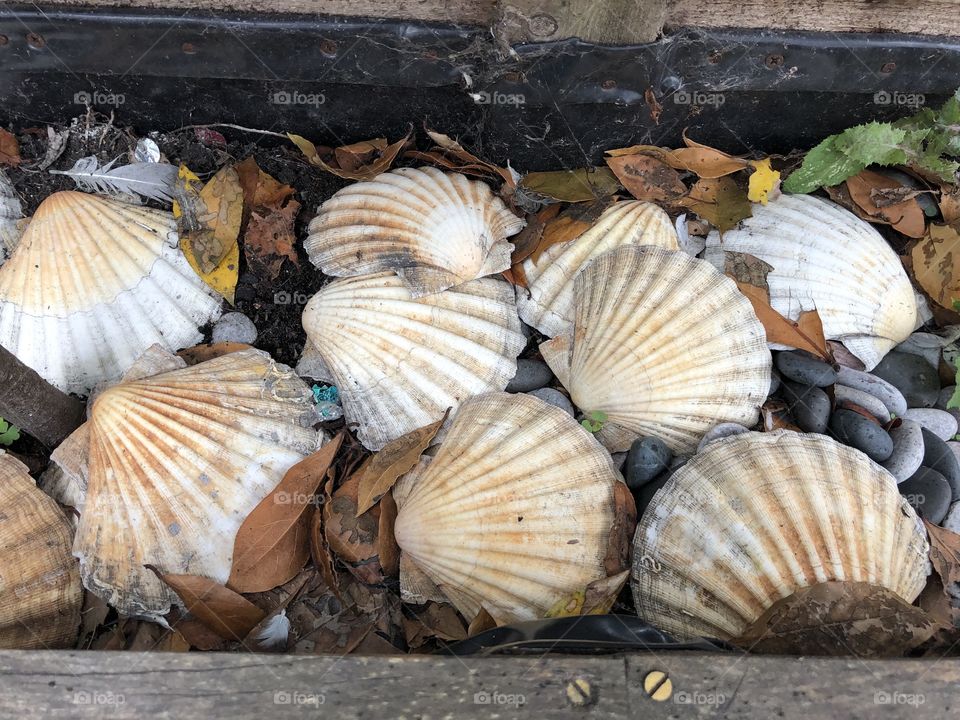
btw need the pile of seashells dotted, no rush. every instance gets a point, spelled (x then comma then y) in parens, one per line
(514, 507)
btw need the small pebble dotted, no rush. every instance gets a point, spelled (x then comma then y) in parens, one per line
(235, 327)
(648, 457)
(928, 492)
(855, 430)
(843, 356)
(645, 494)
(809, 406)
(804, 369)
(925, 345)
(908, 450)
(912, 376)
(952, 521)
(718, 432)
(955, 449)
(554, 397)
(939, 422)
(886, 393)
(939, 457)
(531, 375)
(868, 402)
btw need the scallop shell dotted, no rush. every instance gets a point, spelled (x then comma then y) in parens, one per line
(93, 284)
(10, 215)
(40, 591)
(434, 229)
(401, 361)
(664, 345)
(826, 258)
(177, 462)
(513, 513)
(756, 517)
(547, 304)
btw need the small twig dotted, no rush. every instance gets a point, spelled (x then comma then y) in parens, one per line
(234, 127)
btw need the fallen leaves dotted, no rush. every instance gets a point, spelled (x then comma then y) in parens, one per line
(596, 599)
(647, 178)
(945, 558)
(448, 154)
(9, 149)
(353, 537)
(936, 264)
(358, 161)
(704, 161)
(839, 618)
(268, 238)
(906, 216)
(805, 334)
(720, 201)
(763, 181)
(225, 612)
(573, 186)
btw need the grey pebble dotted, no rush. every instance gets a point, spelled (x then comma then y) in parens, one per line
(235, 327)
(531, 375)
(645, 494)
(928, 492)
(809, 406)
(886, 393)
(855, 430)
(908, 450)
(554, 397)
(648, 457)
(912, 376)
(954, 448)
(843, 356)
(801, 368)
(939, 422)
(925, 345)
(718, 432)
(868, 402)
(939, 457)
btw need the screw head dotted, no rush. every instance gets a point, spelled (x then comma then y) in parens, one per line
(579, 692)
(328, 47)
(888, 67)
(658, 686)
(715, 57)
(542, 25)
(773, 61)
(4, 40)
(608, 84)
(188, 48)
(36, 41)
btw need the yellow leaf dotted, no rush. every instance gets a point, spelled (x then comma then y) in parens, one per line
(223, 278)
(762, 181)
(306, 147)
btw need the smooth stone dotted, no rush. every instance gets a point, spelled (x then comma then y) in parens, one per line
(952, 521)
(855, 430)
(718, 432)
(886, 393)
(868, 402)
(648, 457)
(554, 397)
(912, 376)
(928, 492)
(235, 327)
(939, 422)
(937, 456)
(774, 382)
(954, 448)
(809, 406)
(645, 494)
(805, 370)
(908, 450)
(531, 375)
(843, 356)
(925, 345)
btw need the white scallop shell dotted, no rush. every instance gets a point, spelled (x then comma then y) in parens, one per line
(755, 517)
(513, 513)
(664, 345)
(434, 229)
(10, 215)
(401, 361)
(177, 462)
(826, 258)
(547, 303)
(40, 591)
(93, 284)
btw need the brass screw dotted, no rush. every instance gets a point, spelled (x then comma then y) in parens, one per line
(888, 67)
(35, 41)
(772, 61)
(658, 686)
(579, 692)
(328, 46)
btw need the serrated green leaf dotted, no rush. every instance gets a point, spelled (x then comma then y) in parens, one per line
(873, 143)
(9, 434)
(823, 165)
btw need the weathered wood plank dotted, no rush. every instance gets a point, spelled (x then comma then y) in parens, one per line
(610, 22)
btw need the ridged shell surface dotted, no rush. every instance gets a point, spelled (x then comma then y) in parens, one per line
(826, 258)
(401, 361)
(177, 462)
(547, 302)
(40, 591)
(434, 229)
(93, 284)
(664, 345)
(512, 514)
(755, 517)
(10, 215)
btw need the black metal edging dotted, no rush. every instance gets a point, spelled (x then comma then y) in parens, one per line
(540, 106)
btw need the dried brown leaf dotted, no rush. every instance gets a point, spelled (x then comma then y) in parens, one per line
(949, 202)
(945, 558)
(720, 201)
(647, 178)
(596, 599)
(567, 225)
(272, 544)
(375, 158)
(388, 550)
(9, 149)
(839, 618)
(573, 186)
(354, 539)
(228, 614)
(481, 623)
(776, 416)
(270, 212)
(746, 268)
(621, 532)
(705, 161)
(905, 216)
(319, 548)
(452, 155)
(656, 109)
(805, 334)
(936, 264)
(202, 353)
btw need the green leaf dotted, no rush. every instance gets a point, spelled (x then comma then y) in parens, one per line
(823, 165)
(594, 421)
(954, 402)
(873, 144)
(9, 434)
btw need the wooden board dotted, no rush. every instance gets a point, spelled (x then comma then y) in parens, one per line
(212, 685)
